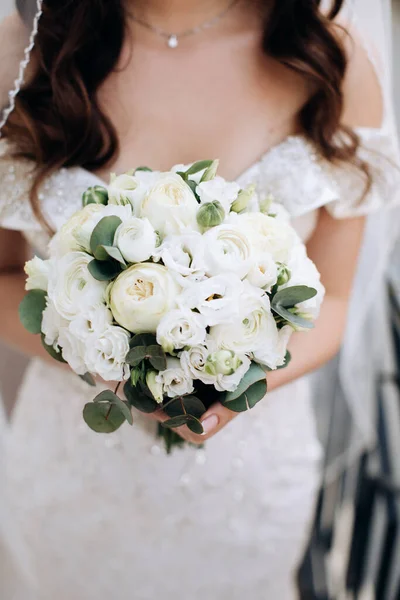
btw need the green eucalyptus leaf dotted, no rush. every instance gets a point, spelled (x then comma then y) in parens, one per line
(249, 392)
(290, 296)
(57, 355)
(185, 405)
(147, 169)
(143, 339)
(106, 252)
(89, 379)
(193, 186)
(139, 400)
(195, 426)
(103, 417)
(31, 310)
(104, 271)
(199, 166)
(157, 357)
(192, 423)
(111, 398)
(104, 232)
(183, 175)
(136, 355)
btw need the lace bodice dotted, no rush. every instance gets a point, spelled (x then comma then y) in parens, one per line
(292, 171)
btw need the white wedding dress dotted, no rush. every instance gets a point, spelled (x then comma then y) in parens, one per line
(113, 516)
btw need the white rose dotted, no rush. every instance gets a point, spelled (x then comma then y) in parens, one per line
(269, 235)
(175, 381)
(218, 189)
(75, 234)
(193, 362)
(229, 383)
(274, 356)
(72, 289)
(264, 272)
(94, 320)
(170, 205)
(141, 296)
(227, 250)
(73, 351)
(180, 328)
(52, 324)
(136, 240)
(215, 298)
(105, 354)
(37, 271)
(254, 330)
(183, 255)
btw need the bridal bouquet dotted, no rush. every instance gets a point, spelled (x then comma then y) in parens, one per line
(180, 284)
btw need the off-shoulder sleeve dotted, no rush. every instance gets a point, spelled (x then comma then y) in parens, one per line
(380, 153)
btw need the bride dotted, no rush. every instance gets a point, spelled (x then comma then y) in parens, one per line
(289, 100)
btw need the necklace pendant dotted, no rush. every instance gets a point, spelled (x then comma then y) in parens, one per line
(173, 41)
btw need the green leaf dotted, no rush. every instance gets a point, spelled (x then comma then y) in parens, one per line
(105, 252)
(104, 232)
(110, 397)
(287, 299)
(199, 166)
(139, 400)
(103, 417)
(89, 379)
(171, 439)
(195, 426)
(157, 357)
(143, 339)
(104, 271)
(249, 392)
(136, 355)
(290, 296)
(185, 405)
(31, 310)
(57, 355)
(183, 175)
(193, 186)
(192, 423)
(144, 169)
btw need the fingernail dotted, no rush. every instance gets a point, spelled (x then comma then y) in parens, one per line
(210, 423)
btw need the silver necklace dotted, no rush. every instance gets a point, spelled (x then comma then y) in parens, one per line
(173, 39)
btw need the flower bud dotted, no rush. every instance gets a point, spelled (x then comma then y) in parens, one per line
(223, 362)
(265, 205)
(155, 387)
(284, 275)
(243, 199)
(210, 214)
(95, 195)
(211, 172)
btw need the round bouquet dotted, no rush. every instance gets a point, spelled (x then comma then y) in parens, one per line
(182, 285)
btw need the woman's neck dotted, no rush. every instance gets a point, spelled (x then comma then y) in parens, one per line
(177, 15)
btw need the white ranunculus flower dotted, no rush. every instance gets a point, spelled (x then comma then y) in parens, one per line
(170, 205)
(72, 289)
(227, 250)
(175, 381)
(75, 234)
(183, 255)
(264, 272)
(215, 298)
(179, 328)
(136, 240)
(52, 324)
(105, 354)
(73, 351)
(274, 356)
(255, 329)
(37, 271)
(269, 235)
(94, 320)
(141, 296)
(229, 383)
(131, 188)
(218, 189)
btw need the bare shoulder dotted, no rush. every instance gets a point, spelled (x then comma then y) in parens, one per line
(363, 98)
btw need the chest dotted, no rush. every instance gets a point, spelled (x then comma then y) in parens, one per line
(224, 100)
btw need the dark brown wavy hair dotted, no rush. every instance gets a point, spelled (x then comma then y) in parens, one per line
(58, 121)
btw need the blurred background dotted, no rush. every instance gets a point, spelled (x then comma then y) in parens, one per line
(354, 551)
